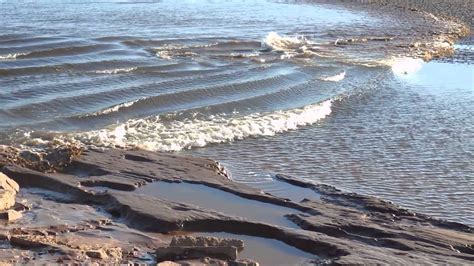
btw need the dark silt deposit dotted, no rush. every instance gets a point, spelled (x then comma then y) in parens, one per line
(237, 132)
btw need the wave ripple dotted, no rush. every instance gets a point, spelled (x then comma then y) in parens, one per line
(156, 134)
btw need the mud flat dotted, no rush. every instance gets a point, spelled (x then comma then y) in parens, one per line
(461, 10)
(434, 26)
(121, 205)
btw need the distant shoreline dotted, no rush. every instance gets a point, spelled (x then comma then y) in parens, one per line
(460, 10)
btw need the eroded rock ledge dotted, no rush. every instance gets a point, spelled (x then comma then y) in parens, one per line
(337, 228)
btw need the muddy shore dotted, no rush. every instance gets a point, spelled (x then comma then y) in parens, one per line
(69, 205)
(459, 10)
(96, 208)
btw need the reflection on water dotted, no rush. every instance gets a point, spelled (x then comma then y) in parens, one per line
(268, 251)
(220, 201)
(410, 140)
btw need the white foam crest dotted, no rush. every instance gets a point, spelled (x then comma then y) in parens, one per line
(154, 134)
(245, 55)
(164, 54)
(169, 47)
(113, 109)
(168, 51)
(116, 71)
(283, 43)
(405, 65)
(168, 55)
(287, 55)
(296, 46)
(335, 78)
(12, 56)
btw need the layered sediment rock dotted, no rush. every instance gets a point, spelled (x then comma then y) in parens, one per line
(11, 215)
(8, 190)
(337, 228)
(191, 241)
(50, 159)
(209, 250)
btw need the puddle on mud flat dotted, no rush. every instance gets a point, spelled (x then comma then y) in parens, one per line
(220, 201)
(268, 251)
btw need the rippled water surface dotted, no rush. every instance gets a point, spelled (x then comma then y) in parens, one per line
(410, 139)
(313, 90)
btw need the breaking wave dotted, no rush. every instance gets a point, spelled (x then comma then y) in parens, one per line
(335, 78)
(112, 109)
(284, 43)
(116, 71)
(404, 65)
(244, 55)
(155, 134)
(289, 46)
(12, 56)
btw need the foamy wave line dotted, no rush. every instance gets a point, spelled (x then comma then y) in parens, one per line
(296, 46)
(116, 71)
(399, 65)
(168, 55)
(164, 54)
(12, 56)
(335, 78)
(284, 43)
(112, 109)
(403, 65)
(169, 47)
(168, 51)
(153, 134)
(245, 55)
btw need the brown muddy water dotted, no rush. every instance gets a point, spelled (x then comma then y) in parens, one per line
(264, 87)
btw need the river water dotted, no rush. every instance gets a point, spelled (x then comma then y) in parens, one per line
(264, 87)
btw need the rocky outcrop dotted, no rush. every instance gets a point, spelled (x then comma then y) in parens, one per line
(8, 184)
(11, 215)
(7, 199)
(206, 241)
(8, 190)
(105, 253)
(61, 243)
(339, 228)
(49, 159)
(204, 248)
